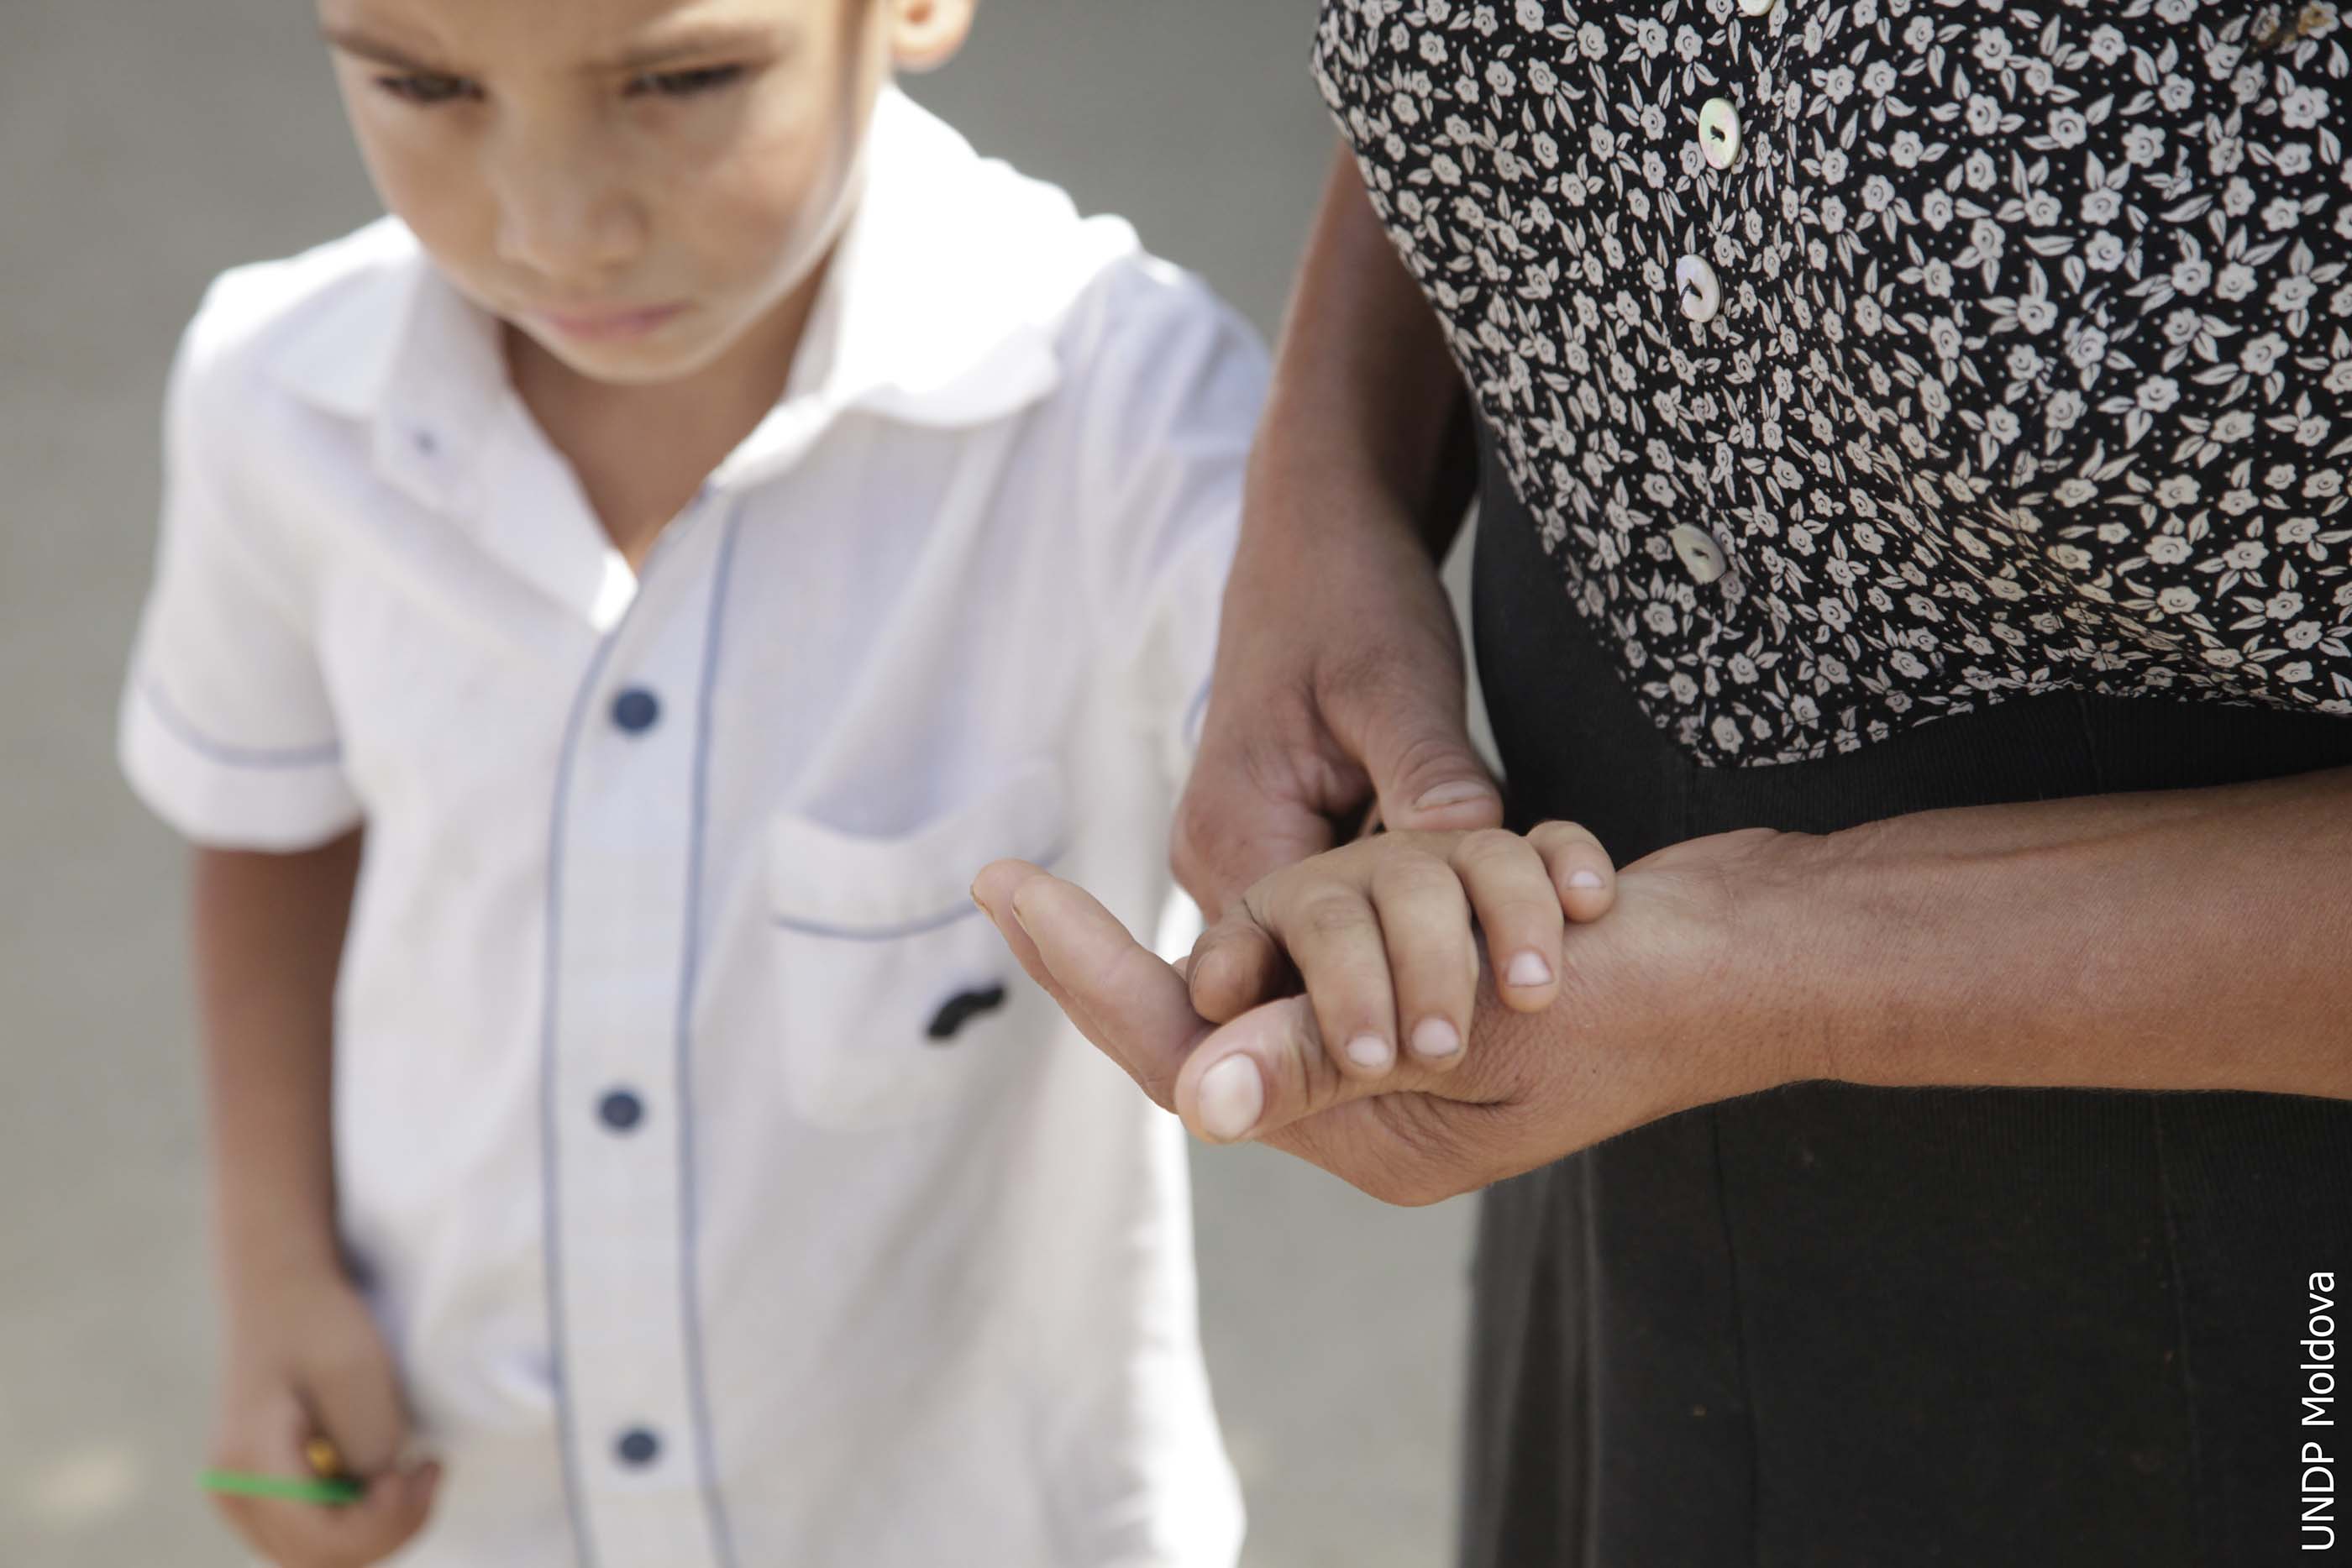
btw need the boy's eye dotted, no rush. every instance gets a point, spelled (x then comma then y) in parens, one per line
(687, 83)
(428, 87)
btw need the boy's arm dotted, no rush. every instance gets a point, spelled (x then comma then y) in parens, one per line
(269, 939)
(305, 1358)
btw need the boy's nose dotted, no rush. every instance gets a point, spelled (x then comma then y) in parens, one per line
(575, 240)
(566, 219)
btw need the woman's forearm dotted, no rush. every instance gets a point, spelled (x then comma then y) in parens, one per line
(2180, 939)
(1366, 415)
(268, 939)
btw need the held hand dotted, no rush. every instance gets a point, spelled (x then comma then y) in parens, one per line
(1674, 1001)
(1339, 677)
(1378, 935)
(306, 1360)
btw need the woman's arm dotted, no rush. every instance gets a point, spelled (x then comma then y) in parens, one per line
(2179, 939)
(1338, 674)
(2187, 939)
(1367, 423)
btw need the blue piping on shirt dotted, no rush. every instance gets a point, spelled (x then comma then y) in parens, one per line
(196, 740)
(689, 969)
(551, 1216)
(907, 929)
(1194, 712)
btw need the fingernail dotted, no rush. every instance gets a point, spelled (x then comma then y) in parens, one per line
(1233, 1097)
(1452, 794)
(1584, 879)
(975, 890)
(1371, 1052)
(1435, 1038)
(1530, 969)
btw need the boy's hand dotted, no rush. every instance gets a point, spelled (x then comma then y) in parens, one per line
(1378, 935)
(306, 1360)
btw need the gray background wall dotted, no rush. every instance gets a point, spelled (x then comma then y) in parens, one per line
(143, 146)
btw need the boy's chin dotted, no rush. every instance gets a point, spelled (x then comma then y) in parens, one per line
(674, 350)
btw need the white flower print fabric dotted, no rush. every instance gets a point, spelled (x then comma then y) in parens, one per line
(2033, 364)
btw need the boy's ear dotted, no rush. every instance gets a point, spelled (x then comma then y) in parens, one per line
(926, 34)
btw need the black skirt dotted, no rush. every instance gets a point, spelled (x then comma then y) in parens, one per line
(1834, 1326)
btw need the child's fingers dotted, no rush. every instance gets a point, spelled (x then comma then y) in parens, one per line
(1234, 966)
(1581, 870)
(257, 1437)
(393, 1509)
(1511, 892)
(1269, 1070)
(388, 1515)
(1431, 955)
(353, 1390)
(1327, 926)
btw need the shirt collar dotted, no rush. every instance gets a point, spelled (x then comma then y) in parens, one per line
(939, 307)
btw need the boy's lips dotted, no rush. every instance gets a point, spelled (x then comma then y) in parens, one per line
(605, 325)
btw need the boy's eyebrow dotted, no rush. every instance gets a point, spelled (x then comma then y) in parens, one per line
(687, 45)
(369, 49)
(711, 40)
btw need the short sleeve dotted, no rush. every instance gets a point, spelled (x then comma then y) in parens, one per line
(226, 729)
(1174, 395)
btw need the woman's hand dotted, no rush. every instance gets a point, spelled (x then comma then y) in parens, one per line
(1675, 1000)
(1338, 672)
(1338, 678)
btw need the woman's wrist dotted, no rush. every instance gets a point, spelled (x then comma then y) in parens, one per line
(1779, 987)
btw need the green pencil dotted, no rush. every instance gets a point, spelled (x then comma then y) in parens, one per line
(330, 1491)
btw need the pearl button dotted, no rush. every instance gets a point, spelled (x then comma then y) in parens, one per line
(1695, 286)
(1718, 132)
(1757, 8)
(1701, 556)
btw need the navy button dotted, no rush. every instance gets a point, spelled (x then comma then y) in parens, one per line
(621, 1110)
(637, 1447)
(636, 709)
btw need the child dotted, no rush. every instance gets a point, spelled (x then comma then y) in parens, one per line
(637, 585)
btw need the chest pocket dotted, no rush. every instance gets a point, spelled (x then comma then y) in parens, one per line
(896, 997)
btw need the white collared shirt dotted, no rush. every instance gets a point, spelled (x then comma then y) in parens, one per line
(730, 1197)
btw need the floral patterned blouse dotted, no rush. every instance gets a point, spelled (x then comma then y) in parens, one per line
(1873, 361)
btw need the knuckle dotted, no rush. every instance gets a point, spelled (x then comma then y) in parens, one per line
(1413, 874)
(1560, 838)
(1330, 914)
(1489, 848)
(1425, 757)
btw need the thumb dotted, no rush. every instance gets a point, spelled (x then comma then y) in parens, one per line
(1134, 1005)
(1267, 1070)
(1410, 732)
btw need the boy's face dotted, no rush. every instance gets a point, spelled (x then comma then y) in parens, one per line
(635, 185)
